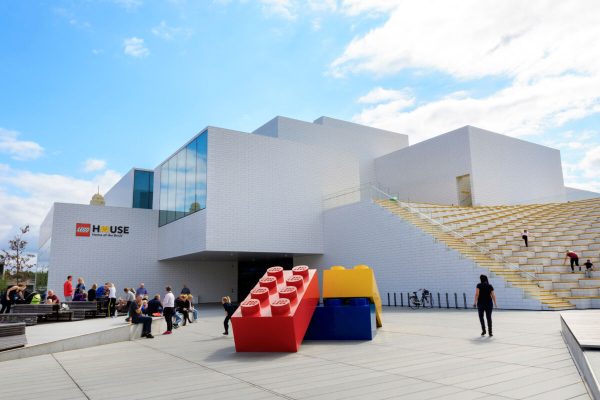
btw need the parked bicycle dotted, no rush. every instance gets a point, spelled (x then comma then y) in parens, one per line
(425, 301)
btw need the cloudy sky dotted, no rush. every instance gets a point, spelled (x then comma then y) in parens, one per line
(89, 89)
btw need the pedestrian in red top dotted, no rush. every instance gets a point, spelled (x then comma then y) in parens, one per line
(68, 288)
(574, 259)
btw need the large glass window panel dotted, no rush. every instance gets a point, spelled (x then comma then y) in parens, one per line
(172, 183)
(164, 189)
(201, 159)
(142, 189)
(190, 179)
(180, 198)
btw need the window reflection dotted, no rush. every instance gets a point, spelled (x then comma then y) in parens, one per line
(183, 181)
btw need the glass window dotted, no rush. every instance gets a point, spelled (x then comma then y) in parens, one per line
(190, 179)
(201, 160)
(164, 190)
(172, 183)
(183, 181)
(143, 182)
(180, 198)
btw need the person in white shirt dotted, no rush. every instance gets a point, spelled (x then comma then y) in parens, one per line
(168, 309)
(112, 299)
(525, 237)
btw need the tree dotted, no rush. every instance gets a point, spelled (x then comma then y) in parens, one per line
(16, 261)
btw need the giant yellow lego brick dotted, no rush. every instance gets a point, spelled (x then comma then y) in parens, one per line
(339, 282)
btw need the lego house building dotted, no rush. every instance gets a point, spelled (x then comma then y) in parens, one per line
(229, 204)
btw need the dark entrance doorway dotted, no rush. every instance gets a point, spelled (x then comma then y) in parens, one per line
(250, 271)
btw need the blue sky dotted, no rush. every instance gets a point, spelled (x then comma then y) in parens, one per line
(89, 89)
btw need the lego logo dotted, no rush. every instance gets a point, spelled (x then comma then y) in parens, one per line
(83, 229)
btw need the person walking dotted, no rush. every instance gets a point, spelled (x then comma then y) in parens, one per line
(136, 317)
(525, 237)
(68, 289)
(588, 268)
(229, 310)
(10, 297)
(485, 301)
(168, 308)
(574, 258)
(112, 300)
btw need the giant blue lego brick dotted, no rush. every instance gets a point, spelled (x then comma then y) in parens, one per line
(348, 319)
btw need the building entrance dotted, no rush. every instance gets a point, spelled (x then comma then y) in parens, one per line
(250, 271)
(463, 186)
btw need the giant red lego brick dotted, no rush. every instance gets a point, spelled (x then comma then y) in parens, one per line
(276, 314)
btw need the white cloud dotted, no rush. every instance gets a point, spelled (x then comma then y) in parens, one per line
(518, 110)
(39, 192)
(134, 47)
(279, 8)
(475, 38)
(164, 31)
(590, 164)
(92, 165)
(379, 95)
(545, 51)
(18, 149)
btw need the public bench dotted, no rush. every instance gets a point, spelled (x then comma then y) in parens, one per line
(83, 309)
(46, 312)
(12, 336)
(28, 319)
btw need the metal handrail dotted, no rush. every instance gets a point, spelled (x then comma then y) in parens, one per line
(445, 228)
(470, 242)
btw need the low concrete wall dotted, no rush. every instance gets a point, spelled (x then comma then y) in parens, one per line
(108, 336)
(578, 355)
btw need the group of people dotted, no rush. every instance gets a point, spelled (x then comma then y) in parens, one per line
(571, 255)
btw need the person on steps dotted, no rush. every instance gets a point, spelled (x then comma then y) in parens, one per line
(485, 301)
(525, 236)
(574, 258)
(589, 267)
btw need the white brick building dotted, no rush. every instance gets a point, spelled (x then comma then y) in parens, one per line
(229, 204)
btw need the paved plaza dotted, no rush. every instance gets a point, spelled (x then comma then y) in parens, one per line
(429, 354)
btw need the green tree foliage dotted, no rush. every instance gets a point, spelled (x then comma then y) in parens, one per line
(17, 262)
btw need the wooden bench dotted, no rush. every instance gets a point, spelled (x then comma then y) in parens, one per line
(12, 336)
(82, 309)
(46, 312)
(28, 319)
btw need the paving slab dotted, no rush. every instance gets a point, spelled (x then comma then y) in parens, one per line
(418, 354)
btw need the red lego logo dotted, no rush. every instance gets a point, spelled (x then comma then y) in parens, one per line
(83, 229)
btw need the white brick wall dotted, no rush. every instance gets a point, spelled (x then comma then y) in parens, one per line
(363, 142)
(503, 170)
(121, 194)
(129, 260)
(403, 257)
(266, 194)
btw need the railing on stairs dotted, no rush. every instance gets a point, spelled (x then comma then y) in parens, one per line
(370, 191)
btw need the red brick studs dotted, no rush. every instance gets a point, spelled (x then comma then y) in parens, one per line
(280, 307)
(301, 270)
(250, 307)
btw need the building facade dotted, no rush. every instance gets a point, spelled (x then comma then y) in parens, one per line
(229, 204)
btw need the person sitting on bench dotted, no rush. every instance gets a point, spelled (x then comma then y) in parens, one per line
(136, 317)
(52, 298)
(154, 306)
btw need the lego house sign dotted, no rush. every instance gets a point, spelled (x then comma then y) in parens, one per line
(87, 230)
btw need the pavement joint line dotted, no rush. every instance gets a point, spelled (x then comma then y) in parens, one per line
(281, 395)
(70, 377)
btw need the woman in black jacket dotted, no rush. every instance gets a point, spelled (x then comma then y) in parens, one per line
(485, 301)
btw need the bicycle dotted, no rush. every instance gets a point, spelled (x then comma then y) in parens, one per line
(426, 300)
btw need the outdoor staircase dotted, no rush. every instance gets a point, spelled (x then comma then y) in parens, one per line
(491, 237)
